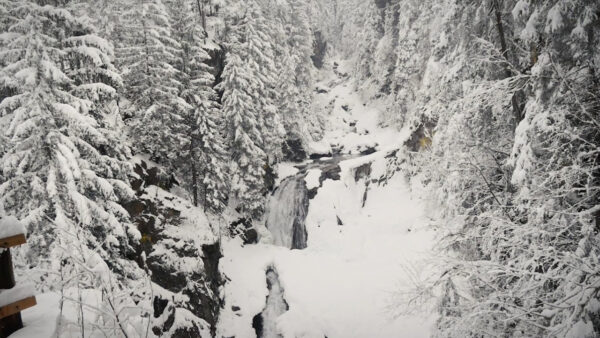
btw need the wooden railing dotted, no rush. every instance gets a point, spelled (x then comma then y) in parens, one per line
(10, 313)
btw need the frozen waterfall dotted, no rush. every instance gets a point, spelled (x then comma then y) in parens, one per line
(265, 323)
(286, 213)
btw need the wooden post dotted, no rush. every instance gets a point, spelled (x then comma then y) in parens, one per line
(10, 314)
(11, 323)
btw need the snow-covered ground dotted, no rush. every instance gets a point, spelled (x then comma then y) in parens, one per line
(347, 282)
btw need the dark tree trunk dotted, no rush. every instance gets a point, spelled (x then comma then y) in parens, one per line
(519, 96)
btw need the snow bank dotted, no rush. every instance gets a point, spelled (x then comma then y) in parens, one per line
(285, 170)
(322, 148)
(41, 320)
(16, 294)
(10, 226)
(312, 178)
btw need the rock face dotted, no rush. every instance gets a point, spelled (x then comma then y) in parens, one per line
(244, 229)
(293, 150)
(421, 136)
(182, 254)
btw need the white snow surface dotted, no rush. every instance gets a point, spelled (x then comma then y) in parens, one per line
(10, 226)
(285, 170)
(17, 293)
(349, 280)
(40, 321)
(312, 178)
(319, 148)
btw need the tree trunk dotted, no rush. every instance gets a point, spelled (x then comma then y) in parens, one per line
(192, 160)
(519, 96)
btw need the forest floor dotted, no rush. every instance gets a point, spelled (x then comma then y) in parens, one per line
(352, 280)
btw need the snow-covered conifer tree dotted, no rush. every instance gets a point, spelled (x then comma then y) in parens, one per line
(201, 160)
(243, 136)
(61, 174)
(146, 55)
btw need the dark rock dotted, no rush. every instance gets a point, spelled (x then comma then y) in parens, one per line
(270, 178)
(368, 151)
(312, 193)
(159, 306)
(165, 325)
(352, 124)
(339, 221)
(257, 325)
(235, 308)
(331, 172)
(299, 235)
(363, 171)
(420, 138)
(293, 150)
(210, 303)
(244, 228)
(365, 195)
(321, 90)
(251, 237)
(319, 156)
(392, 154)
(346, 108)
(202, 287)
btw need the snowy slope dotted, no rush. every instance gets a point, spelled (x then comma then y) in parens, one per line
(344, 283)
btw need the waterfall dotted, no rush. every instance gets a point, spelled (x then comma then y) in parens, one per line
(286, 213)
(265, 323)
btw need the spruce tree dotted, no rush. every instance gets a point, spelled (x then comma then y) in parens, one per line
(243, 136)
(61, 174)
(146, 55)
(201, 160)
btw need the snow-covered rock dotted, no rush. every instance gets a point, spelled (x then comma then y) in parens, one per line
(317, 149)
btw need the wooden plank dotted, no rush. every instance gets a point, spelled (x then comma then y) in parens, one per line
(16, 307)
(11, 241)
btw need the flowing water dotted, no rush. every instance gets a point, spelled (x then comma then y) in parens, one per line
(265, 323)
(286, 213)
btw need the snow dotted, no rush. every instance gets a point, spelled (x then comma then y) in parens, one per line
(40, 321)
(194, 224)
(346, 282)
(319, 148)
(347, 274)
(15, 294)
(10, 226)
(285, 170)
(353, 124)
(312, 178)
